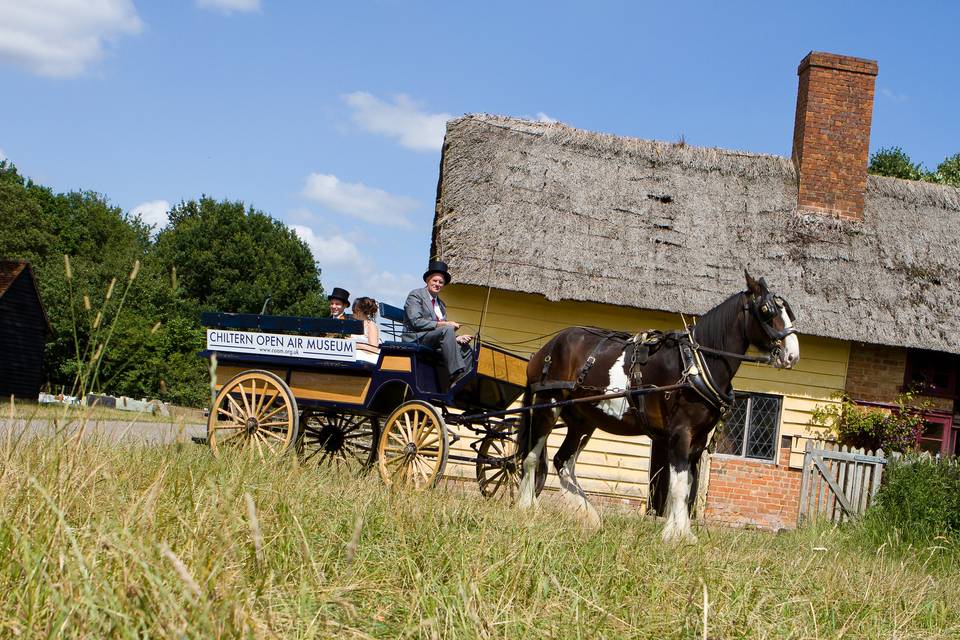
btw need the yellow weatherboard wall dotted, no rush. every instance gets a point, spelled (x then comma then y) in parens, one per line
(613, 465)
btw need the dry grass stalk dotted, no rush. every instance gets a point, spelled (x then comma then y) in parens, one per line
(254, 523)
(182, 571)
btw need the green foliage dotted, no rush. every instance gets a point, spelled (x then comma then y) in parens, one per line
(213, 256)
(895, 163)
(948, 171)
(874, 428)
(229, 258)
(918, 502)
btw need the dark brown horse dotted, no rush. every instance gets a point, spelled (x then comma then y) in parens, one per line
(581, 362)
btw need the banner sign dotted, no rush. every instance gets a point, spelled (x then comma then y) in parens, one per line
(275, 344)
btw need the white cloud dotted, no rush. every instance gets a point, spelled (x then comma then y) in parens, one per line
(358, 200)
(415, 129)
(329, 250)
(344, 264)
(153, 212)
(229, 6)
(389, 287)
(62, 37)
(896, 97)
(542, 117)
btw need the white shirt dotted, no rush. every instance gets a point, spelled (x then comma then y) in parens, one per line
(436, 308)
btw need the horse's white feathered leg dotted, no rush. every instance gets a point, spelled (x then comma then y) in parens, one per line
(677, 526)
(529, 482)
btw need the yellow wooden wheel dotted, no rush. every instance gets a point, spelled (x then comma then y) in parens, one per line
(413, 446)
(497, 471)
(255, 411)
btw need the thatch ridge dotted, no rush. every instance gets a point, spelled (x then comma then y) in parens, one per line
(576, 215)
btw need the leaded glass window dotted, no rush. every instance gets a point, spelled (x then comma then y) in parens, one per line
(751, 429)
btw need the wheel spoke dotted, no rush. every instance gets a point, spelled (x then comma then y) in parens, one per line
(229, 437)
(429, 427)
(275, 411)
(395, 460)
(266, 405)
(272, 435)
(236, 406)
(281, 423)
(231, 414)
(264, 440)
(243, 396)
(402, 443)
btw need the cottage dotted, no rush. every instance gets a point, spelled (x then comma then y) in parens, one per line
(572, 227)
(23, 329)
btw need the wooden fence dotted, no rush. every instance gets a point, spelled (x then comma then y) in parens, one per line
(838, 483)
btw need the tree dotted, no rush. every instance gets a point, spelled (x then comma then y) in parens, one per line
(895, 163)
(228, 258)
(948, 171)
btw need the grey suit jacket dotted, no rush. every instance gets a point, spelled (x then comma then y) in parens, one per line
(418, 315)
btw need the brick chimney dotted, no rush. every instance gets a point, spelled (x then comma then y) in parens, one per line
(831, 135)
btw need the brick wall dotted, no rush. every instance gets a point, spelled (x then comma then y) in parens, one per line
(875, 372)
(831, 135)
(746, 492)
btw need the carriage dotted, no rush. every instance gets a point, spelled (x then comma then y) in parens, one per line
(288, 384)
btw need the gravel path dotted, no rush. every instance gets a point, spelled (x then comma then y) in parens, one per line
(120, 430)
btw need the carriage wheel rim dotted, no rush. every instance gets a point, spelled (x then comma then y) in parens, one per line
(338, 438)
(254, 411)
(412, 447)
(497, 479)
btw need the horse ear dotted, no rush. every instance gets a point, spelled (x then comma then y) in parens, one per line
(752, 285)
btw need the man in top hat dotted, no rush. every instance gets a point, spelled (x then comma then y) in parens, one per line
(425, 322)
(339, 300)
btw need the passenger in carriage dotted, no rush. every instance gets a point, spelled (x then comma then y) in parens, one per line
(368, 345)
(425, 322)
(339, 300)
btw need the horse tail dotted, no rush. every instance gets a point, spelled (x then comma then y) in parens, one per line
(523, 431)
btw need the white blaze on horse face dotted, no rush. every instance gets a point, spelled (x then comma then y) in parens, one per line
(791, 344)
(616, 407)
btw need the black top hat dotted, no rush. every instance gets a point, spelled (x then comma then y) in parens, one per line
(437, 267)
(340, 294)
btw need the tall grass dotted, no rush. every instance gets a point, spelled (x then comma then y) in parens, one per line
(103, 540)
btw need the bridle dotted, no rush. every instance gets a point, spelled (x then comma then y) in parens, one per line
(764, 308)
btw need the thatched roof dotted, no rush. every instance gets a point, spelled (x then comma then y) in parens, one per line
(575, 215)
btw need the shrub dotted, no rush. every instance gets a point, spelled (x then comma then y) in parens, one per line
(874, 428)
(918, 501)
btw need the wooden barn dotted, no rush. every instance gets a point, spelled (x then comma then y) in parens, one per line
(584, 228)
(23, 330)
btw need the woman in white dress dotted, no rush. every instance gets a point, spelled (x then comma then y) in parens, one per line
(368, 345)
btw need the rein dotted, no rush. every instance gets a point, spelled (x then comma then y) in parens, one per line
(737, 356)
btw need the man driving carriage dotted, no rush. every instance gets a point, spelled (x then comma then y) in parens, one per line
(425, 322)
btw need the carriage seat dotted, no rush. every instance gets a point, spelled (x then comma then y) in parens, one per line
(391, 324)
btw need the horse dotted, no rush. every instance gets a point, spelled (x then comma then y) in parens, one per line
(684, 379)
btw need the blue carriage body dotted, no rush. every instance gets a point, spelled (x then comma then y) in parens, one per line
(404, 371)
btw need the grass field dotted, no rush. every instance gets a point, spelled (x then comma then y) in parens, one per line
(102, 540)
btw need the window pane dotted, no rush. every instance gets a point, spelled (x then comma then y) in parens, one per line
(762, 433)
(731, 434)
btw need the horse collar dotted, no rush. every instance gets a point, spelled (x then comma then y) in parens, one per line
(697, 373)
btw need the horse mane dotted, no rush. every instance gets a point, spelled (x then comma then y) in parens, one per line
(713, 328)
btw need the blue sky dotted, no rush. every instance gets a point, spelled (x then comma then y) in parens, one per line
(329, 116)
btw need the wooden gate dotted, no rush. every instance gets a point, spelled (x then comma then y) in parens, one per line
(838, 483)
